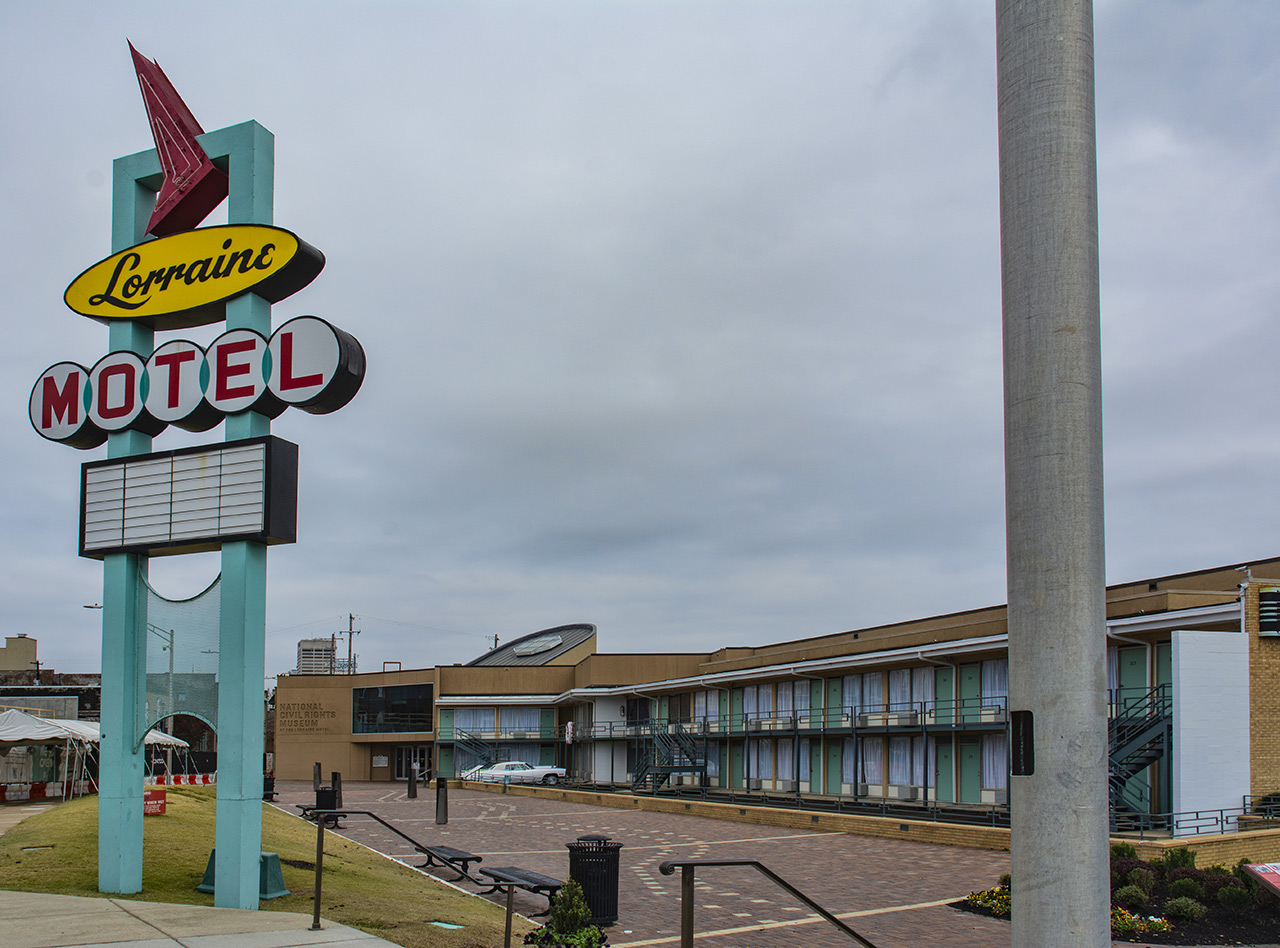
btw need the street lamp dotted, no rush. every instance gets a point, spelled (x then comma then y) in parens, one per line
(168, 708)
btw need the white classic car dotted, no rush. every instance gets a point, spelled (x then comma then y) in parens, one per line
(516, 771)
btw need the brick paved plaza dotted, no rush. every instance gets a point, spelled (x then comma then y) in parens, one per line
(892, 892)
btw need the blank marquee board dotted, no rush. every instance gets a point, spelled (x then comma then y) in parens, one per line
(190, 500)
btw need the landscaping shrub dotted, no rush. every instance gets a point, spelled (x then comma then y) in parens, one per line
(1235, 900)
(1120, 869)
(1006, 881)
(1178, 858)
(569, 922)
(1186, 908)
(1131, 897)
(1144, 879)
(1186, 888)
(1123, 851)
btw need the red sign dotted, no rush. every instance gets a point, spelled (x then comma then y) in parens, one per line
(153, 801)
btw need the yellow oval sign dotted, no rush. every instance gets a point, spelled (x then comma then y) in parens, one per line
(186, 279)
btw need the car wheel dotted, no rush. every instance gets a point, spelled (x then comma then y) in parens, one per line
(550, 780)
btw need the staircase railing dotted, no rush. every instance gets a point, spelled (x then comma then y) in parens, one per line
(476, 746)
(687, 868)
(1138, 736)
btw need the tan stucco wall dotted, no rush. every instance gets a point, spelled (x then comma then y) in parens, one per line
(313, 724)
(18, 653)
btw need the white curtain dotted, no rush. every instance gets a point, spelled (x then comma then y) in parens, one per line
(922, 690)
(762, 759)
(713, 760)
(872, 691)
(918, 778)
(801, 697)
(750, 701)
(900, 689)
(699, 706)
(995, 768)
(872, 760)
(521, 719)
(475, 720)
(900, 760)
(528, 753)
(851, 695)
(804, 758)
(784, 697)
(786, 760)
(846, 772)
(995, 678)
(713, 705)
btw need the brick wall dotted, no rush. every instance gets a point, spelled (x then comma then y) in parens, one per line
(1264, 701)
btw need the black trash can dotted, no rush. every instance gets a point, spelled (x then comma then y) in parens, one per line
(593, 864)
(326, 798)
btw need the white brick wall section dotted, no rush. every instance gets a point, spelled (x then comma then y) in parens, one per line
(1210, 720)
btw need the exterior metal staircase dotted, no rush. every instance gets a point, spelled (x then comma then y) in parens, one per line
(665, 750)
(486, 753)
(1140, 734)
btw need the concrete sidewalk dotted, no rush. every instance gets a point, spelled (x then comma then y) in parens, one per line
(31, 920)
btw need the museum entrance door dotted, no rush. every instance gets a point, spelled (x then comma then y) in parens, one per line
(407, 754)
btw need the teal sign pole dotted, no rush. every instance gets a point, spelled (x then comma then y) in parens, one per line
(248, 153)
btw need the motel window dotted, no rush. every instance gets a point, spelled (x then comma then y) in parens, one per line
(476, 720)
(678, 708)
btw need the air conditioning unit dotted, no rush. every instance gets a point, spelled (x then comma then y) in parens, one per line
(903, 719)
(899, 792)
(755, 724)
(870, 789)
(754, 783)
(992, 715)
(995, 797)
(787, 786)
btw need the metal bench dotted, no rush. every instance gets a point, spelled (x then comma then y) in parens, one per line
(308, 813)
(446, 857)
(506, 877)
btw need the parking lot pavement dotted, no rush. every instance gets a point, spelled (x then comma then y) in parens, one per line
(892, 892)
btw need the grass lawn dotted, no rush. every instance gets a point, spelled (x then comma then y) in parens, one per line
(57, 851)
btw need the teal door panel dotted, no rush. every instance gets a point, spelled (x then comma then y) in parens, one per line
(835, 690)
(969, 692)
(944, 683)
(835, 756)
(970, 772)
(815, 766)
(944, 771)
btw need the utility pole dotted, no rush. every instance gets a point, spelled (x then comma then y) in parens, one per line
(351, 668)
(1053, 473)
(37, 664)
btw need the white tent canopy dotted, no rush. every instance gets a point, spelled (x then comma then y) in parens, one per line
(19, 729)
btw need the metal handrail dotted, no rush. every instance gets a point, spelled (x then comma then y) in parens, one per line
(687, 868)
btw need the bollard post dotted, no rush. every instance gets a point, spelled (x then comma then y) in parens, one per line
(413, 782)
(315, 912)
(337, 789)
(442, 801)
(315, 777)
(511, 894)
(686, 907)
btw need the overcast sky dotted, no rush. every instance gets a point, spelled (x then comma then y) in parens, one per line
(682, 319)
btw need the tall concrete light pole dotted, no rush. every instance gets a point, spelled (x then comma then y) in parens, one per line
(1053, 472)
